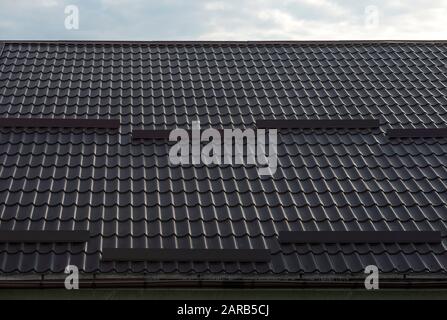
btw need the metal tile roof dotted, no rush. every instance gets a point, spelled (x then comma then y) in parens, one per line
(128, 196)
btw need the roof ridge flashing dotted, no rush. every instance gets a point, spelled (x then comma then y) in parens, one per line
(417, 133)
(318, 124)
(360, 236)
(161, 254)
(20, 122)
(42, 236)
(221, 43)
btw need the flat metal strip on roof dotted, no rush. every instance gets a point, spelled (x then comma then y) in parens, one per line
(59, 123)
(317, 124)
(44, 236)
(359, 236)
(218, 255)
(417, 133)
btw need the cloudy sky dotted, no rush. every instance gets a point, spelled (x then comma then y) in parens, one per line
(224, 19)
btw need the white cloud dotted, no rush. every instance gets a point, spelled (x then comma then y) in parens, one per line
(216, 6)
(115, 2)
(225, 19)
(49, 3)
(327, 5)
(281, 19)
(23, 4)
(397, 20)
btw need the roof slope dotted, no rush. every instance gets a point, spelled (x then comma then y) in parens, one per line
(127, 195)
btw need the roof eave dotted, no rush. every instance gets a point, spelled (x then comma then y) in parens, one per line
(355, 281)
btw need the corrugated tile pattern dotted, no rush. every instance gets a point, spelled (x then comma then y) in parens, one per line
(127, 195)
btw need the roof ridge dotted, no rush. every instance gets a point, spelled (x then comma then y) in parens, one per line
(224, 42)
